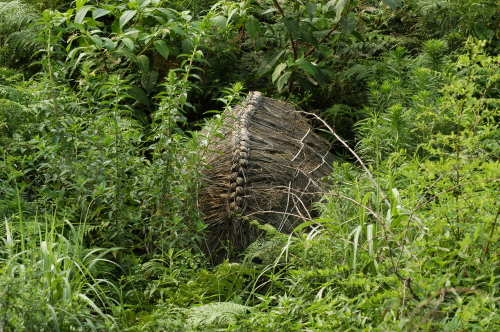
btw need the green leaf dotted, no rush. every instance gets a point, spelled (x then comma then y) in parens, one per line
(283, 80)
(393, 4)
(187, 46)
(328, 72)
(305, 84)
(162, 48)
(308, 37)
(77, 26)
(143, 3)
(307, 66)
(80, 3)
(80, 15)
(127, 16)
(270, 10)
(115, 26)
(139, 94)
(170, 13)
(126, 53)
(142, 62)
(220, 21)
(302, 226)
(74, 51)
(278, 70)
(149, 80)
(292, 26)
(311, 8)
(311, 69)
(358, 36)
(339, 6)
(98, 12)
(252, 26)
(347, 24)
(269, 62)
(323, 33)
(109, 44)
(129, 43)
(97, 41)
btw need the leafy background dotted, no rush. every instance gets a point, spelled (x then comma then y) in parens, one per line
(101, 106)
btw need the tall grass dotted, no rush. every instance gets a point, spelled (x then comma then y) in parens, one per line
(50, 281)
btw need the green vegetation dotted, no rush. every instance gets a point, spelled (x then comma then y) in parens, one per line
(101, 103)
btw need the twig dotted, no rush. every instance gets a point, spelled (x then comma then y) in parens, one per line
(407, 281)
(358, 158)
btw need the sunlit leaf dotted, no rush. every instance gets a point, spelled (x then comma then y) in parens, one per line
(80, 15)
(277, 71)
(283, 80)
(220, 21)
(270, 10)
(339, 7)
(97, 41)
(98, 12)
(129, 43)
(80, 3)
(127, 16)
(347, 24)
(149, 80)
(187, 45)
(311, 8)
(143, 3)
(143, 62)
(162, 48)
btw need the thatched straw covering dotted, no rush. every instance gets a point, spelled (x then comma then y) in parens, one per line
(266, 168)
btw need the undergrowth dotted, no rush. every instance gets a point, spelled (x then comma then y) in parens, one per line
(102, 161)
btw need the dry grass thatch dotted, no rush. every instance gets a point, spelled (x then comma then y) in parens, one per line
(266, 168)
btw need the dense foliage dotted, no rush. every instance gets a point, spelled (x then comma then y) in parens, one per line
(101, 104)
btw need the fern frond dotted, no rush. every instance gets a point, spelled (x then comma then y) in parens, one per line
(11, 94)
(24, 40)
(358, 72)
(12, 117)
(265, 251)
(18, 34)
(89, 229)
(219, 313)
(153, 268)
(15, 16)
(431, 6)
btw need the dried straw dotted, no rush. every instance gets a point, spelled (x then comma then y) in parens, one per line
(267, 168)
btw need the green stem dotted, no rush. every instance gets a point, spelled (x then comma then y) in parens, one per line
(21, 222)
(117, 158)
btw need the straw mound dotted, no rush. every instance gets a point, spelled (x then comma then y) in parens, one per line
(266, 168)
